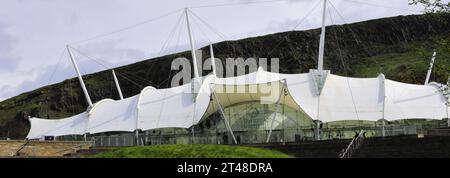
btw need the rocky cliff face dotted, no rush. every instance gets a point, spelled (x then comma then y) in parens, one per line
(399, 47)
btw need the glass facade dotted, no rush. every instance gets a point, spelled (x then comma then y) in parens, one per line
(251, 123)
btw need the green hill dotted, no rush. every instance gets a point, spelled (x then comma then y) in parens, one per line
(399, 47)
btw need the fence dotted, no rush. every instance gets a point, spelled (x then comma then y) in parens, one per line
(250, 137)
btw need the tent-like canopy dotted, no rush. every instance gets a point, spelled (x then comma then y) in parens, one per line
(342, 98)
(260, 86)
(171, 107)
(109, 115)
(75, 125)
(408, 101)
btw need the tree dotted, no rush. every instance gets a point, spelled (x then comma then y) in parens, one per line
(436, 8)
(432, 6)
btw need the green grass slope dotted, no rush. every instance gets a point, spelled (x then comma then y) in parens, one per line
(191, 151)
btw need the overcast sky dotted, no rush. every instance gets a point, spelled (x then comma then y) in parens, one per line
(34, 33)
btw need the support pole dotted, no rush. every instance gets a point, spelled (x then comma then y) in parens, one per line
(86, 94)
(137, 137)
(213, 61)
(193, 127)
(227, 124)
(117, 85)
(191, 40)
(317, 130)
(383, 129)
(322, 38)
(193, 123)
(194, 56)
(427, 79)
(320, 66)
(193, 134)
(271, 125)
(448, 102)
(448, 115)
(276, 112)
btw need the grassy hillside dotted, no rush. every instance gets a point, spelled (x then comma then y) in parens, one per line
(400, 47)
(191, 151)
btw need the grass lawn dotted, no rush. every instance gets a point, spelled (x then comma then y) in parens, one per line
(191, 151)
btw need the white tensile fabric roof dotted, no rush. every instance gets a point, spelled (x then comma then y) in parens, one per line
(342, 98)
(171, 107)
(257, 86)
(75, 125)
(407, 101)
(109, 115)
(356, 98)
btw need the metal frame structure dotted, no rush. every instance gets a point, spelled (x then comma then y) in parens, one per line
(119, 90)
(226, 121)
(427, 79)
(276, 109)
(80, 78)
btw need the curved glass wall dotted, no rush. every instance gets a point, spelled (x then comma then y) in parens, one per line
(251, 123)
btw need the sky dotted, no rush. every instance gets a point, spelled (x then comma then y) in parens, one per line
(34, 33)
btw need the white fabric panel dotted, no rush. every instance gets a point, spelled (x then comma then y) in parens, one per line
(342, 98)
(202, 103)
(345, 98)
(408, 101)
(303, 90)
(110, 115)
(266, 93)
(257, 77)
(164, 108)
(75, 125)
(266, 77)
(260, 86)
(256, 86)
(238, 80)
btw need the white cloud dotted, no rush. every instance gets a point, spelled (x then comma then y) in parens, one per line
(8, 61)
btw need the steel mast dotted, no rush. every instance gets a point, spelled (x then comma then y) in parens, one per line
(83, 86)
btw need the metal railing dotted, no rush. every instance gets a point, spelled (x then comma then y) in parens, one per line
(17, 153)
(251, 136)
(74, 148)
(354, 144)
(114, 140)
